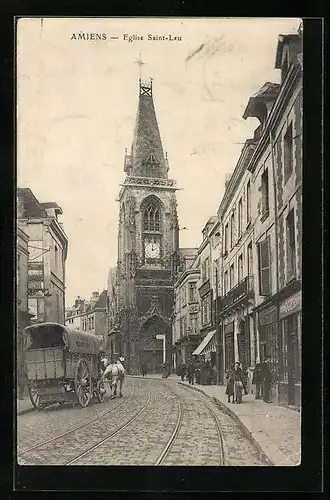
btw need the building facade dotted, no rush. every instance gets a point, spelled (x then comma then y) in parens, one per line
(276, 168)
(23, 316)
(257, 274)
(235, 306)
(207, 348)
(186, 309)
(89, 316)
(47, 247)
(148, 244)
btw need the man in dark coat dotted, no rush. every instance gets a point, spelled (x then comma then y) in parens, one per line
(182, 372)
(257, 380)
(266, 379)
(191, 372)
(144, 368)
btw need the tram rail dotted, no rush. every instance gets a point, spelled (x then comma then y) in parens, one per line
(167, 449)
(76, 428)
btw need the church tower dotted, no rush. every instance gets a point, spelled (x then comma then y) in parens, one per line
(148, 245)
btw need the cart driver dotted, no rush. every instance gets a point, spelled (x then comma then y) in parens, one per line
(104, 361)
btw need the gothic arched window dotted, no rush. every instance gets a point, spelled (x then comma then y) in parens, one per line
(151, 217)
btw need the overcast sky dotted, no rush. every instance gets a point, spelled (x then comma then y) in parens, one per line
(77, 103)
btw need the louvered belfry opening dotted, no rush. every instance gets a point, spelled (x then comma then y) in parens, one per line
(151, 221)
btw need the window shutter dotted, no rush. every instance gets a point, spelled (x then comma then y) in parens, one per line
(264, 267)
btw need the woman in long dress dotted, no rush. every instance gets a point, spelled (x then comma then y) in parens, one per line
(230, 389)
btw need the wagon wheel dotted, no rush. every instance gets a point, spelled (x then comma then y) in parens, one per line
(100, 391)
(82, 383)
(34, 397)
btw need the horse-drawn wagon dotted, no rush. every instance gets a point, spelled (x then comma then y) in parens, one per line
(62, 365)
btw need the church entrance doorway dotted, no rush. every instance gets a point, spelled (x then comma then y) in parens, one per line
(152, 348)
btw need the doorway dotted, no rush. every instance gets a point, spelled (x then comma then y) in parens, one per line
(151, 348)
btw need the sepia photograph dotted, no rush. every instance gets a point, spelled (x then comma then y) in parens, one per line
(159, 241)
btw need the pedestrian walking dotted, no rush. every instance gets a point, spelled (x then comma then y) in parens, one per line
(167, 370)
(191, 372)
(257, 380)
(238, 383)
(245, 375)
(183, 370)
(249, 379)
(198, 372)
(144, 369)
(266, 379)
(230, 384)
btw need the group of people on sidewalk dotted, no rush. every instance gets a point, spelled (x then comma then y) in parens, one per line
(238, 381)
(200, 372)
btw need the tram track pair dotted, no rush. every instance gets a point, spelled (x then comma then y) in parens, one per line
(78, 427)
(167, 449)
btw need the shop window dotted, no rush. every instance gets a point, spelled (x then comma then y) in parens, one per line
(226, 237)
(192, 292)
(205, 269)
(288, 153)
(264, 267)
(248, 203)
(240, 268)
(294, 354)
(193, 323)
(250, 259)
(205, 309)
(291, 245)
(231, 276)
(232, 230)
(183, 296)
(240, 209)
(265, 193)
(225, 282)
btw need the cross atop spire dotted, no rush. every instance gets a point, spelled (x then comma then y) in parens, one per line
(140, 63)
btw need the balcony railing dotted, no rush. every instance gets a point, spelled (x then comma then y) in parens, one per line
(243, 290)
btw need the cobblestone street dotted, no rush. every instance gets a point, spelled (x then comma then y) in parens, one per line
(157, 422)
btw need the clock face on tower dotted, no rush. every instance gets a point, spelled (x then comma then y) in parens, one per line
(152, 249)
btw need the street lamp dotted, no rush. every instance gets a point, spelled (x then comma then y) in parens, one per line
(161, 336)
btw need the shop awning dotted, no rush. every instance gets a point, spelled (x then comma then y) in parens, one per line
(207, 344)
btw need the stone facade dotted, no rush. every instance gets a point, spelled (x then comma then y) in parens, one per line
(186, 315)
(48, 245)
(89, 316)
(258, 310)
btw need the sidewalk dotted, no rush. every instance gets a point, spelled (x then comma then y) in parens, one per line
(276, 429)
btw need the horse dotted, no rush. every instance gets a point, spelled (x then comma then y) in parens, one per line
(114, 372)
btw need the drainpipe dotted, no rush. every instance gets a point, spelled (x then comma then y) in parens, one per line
(276, 247)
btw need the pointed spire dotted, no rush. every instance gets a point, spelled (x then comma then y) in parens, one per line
(148, 158)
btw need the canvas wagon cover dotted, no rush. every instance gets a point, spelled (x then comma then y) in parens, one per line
(76, 341)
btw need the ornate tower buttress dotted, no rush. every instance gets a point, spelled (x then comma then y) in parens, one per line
(148, 244)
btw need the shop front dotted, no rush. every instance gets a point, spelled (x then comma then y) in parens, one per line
(206, 355)
(229, 345)
(268, 343)
(290, 350)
